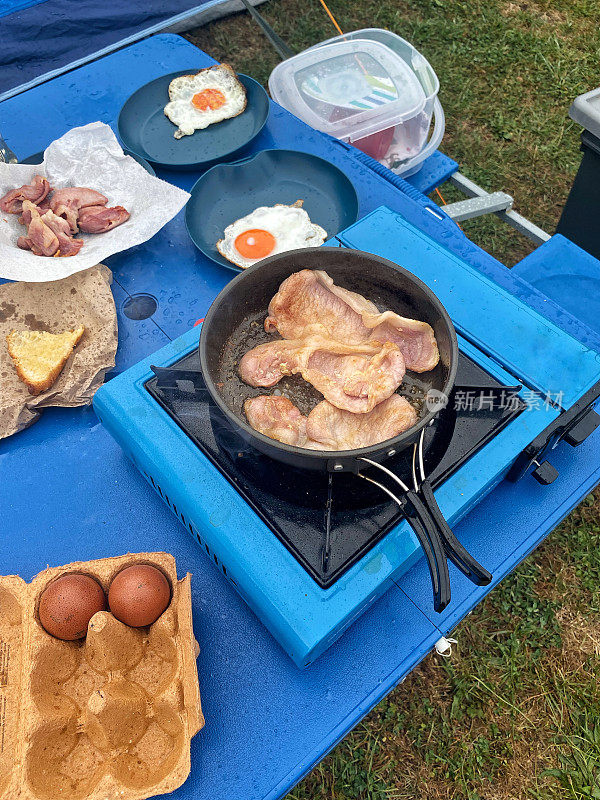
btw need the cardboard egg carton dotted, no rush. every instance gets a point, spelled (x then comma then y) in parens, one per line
(109, 716)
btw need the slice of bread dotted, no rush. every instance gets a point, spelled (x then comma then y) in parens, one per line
(39, 356)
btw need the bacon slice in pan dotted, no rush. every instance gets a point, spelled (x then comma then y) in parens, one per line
(352, 377)
(278, 418)
(331, 428)
(309, 303)
(328, 427)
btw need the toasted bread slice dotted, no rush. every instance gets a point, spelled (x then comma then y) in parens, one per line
(39, 356)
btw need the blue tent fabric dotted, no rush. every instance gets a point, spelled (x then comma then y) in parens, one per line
(53, 33)
(10, 6)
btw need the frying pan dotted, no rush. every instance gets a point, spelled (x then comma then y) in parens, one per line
(234, 325)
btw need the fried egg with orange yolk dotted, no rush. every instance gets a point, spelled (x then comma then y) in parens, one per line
(197, 101)
(269, 230)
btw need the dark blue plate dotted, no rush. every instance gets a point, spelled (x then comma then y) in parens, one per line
(230, 191)
(145, 130)
(37, 158)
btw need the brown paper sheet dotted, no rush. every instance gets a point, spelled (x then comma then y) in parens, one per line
(82, 299)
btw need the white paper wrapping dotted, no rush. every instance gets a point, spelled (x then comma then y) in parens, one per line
(88, 156)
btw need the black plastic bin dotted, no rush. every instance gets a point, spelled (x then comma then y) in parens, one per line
(580, 219)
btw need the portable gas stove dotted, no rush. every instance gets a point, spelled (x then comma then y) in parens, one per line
(309, 552)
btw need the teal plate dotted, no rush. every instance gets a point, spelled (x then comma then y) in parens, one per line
(230, 191)
(145, 130)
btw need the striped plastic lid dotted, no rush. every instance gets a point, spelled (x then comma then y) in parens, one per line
(349, 89)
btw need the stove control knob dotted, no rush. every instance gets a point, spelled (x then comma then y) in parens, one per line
(545, 473)
(582, 429)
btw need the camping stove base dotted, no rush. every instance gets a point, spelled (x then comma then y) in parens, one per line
(329, 522)
(302, 615)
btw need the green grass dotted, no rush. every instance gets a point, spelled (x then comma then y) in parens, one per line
(516, 712)
(508, 71)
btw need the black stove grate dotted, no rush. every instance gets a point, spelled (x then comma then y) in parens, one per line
(328, 522)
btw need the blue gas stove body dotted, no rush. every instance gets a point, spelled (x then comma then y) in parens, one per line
(498, 330)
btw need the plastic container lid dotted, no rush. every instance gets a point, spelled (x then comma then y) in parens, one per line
(348, 89)
(405, 50)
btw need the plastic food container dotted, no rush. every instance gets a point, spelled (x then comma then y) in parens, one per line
(370, 88)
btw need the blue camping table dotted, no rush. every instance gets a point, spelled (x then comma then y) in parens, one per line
(67, 492)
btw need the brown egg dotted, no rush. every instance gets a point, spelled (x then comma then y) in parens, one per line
(138, 595)
(68, 604)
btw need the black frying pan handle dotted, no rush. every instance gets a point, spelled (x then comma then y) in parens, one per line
(425, 528)
(458, 555)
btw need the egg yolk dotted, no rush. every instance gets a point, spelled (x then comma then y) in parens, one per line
(255, 243)
(208, 98)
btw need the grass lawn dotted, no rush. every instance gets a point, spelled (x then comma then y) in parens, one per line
(516, 712)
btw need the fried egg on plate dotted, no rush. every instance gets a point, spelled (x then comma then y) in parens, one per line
(268, 230)
(197, 101)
